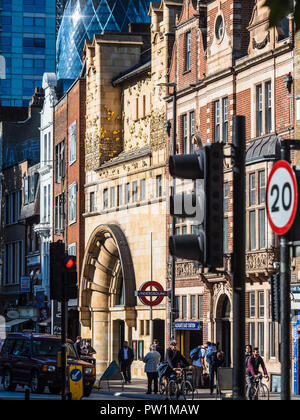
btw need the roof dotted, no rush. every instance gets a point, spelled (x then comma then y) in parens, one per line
(141, 67)
(263, 149)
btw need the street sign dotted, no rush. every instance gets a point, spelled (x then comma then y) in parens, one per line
(187, 326)
(76, 382)
(282, 197)
(159, 293)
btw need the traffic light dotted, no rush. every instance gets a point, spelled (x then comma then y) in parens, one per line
(274, 280)
(70, 276)
(57, 253)
(206, 164)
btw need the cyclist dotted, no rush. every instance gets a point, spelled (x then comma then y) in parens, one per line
(255, 361)
(173, 358)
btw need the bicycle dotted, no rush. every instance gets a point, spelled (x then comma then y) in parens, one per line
(259, 390)
(179, 386)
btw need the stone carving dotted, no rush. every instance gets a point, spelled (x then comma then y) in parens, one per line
(187, 269)
(261, 45)
(260, 261)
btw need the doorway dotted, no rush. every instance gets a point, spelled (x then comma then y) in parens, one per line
(223, 327)
(159, 332)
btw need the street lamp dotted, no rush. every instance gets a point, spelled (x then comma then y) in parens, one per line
(173, 308)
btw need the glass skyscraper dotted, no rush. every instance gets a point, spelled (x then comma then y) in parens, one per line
(83, 19)
(27, 42)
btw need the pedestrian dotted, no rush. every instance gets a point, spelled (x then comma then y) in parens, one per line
(151, 361)
(77, 345)
(88, 349)
(159, 349)
(197, 356)
(125, 360)
(215, 359)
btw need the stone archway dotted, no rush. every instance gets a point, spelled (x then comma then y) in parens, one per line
(106, 294)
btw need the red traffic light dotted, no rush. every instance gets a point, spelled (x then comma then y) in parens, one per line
(70, 262)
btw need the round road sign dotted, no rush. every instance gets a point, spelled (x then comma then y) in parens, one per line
(282, 197)
(147, 301)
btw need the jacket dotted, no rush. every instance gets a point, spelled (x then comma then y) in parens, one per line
(151, 361)
(253, 366)
(121, 355)
(174, 358)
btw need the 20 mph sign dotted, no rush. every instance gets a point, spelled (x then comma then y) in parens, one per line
(282, 197)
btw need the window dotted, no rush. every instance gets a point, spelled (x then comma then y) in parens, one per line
(185, 133)
(159, 186)
(177, 304)
(219, 27)
(262, 228)
(26, 190)
(252, 334)
(32, 187)
(252, 228)
(143, 190)
(45, 149)
(272, 339)
(261, 338)
(217, 121)
(188, 51)
(184, 307)
(12, 203)
(112, 197)
(72, 203)
(60, 212)
(200, 306)
(72, 142)
(259, 111)
(49, 203)
(72, 249)
(252, 304)
(225, 120)
(192, 130)
(127, 193)
(105, 198)
(226, 207)
(261, 304)
(262, 187)
(45, 205)
(120, 197)
(226, 233)
(184, 230)
(268, 107)
(193, 307)
(252, 190)
(60, 161)
(13, 262)
(134, 192)
(92, 202)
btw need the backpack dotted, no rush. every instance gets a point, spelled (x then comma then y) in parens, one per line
(194, 353)
(162, 368)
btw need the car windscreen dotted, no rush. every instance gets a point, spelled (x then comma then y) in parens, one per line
(51, 348)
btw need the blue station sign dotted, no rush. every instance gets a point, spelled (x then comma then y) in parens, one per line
(187, 325)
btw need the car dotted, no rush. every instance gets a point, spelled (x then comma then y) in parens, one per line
(30, 359)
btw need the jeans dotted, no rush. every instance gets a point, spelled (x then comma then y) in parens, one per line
(197, 372)
(152, 377)
(125, 368)
(212, 372)
(249, 381)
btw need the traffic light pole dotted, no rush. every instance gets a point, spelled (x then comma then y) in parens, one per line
(173, 268)
(64, 329)
(239, 261)
(285, 304)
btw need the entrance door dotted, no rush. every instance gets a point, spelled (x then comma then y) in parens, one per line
(159, 332)
(226, 334)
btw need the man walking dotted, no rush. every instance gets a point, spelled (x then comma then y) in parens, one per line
(198, 366)
(125, 360)
(151, 361)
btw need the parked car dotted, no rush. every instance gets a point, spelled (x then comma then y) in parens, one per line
(31, 359)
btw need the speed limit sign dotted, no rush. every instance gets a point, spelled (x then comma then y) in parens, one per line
(282, 197)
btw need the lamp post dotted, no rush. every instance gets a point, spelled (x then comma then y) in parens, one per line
(173, 307)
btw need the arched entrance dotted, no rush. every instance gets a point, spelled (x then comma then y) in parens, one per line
(107, 298)
(223, 326)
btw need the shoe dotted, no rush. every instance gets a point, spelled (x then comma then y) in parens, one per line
(148, 393)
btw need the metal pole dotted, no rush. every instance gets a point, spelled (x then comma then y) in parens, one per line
(239, 260)
(64, 329)
(173, 269)
(151, 279)
(285, 305)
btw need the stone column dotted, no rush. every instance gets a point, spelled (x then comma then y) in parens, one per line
(101, 330)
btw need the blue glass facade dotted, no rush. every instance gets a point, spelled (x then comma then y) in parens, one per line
(83, 19)
(27, 42)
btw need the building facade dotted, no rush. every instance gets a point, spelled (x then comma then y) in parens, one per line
(27, 43)
(68, 205)
(226, 61)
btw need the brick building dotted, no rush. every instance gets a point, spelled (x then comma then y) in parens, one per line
(226, 61)
(69, 179)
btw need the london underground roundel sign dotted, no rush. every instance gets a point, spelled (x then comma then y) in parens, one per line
(158, 293)
(282, 197)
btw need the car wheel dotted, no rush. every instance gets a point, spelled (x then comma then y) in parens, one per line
(54, 389)
(7, 381)
(87, 392)
(35, 386)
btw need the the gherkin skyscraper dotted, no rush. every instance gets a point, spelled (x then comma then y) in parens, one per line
(83, 19)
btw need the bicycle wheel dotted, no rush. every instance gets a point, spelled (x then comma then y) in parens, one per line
(173, 390)
(263, 392)
(187, 390)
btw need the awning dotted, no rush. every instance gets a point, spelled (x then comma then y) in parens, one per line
(264, 149)
(14, 322)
